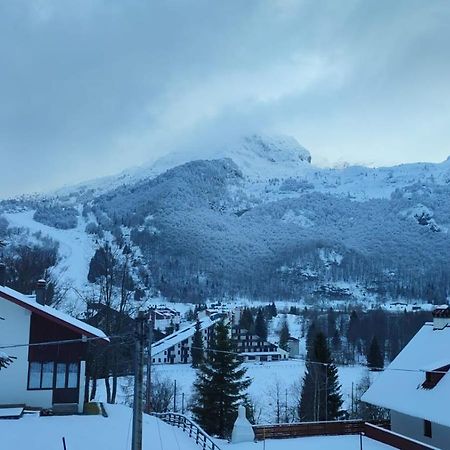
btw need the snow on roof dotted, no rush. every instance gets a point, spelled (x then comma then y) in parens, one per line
(399, 387)
(29, 302)
(180, 335)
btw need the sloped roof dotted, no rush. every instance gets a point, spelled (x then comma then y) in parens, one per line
(180, 335)
(50, 313)
(399, 387)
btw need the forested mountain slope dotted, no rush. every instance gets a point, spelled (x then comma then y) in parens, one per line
(260, 221)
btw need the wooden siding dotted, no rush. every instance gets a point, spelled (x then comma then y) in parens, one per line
(44, 330)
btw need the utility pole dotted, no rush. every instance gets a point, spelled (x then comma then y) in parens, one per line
(175, 396)
(136, 440)
(148, 402)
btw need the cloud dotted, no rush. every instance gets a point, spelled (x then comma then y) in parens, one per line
(88, 88)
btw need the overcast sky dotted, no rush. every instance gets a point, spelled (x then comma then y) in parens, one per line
(91, 87)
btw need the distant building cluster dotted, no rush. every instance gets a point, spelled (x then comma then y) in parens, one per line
(176, 347)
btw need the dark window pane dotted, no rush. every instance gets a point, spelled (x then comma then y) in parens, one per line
(35, 375)
(60, 375)
(72, 381)
(47, 375)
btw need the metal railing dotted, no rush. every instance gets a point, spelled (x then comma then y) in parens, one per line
(201, 438)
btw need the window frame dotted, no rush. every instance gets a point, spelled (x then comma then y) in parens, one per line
(54, 375)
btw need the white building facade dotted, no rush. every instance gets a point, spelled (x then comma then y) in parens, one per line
(416, 385)
(48, 375)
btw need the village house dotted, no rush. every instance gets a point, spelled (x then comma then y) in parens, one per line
(416, 385)
(253, 348)
(51, 375)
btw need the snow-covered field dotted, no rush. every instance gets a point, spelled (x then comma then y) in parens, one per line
(269, 380)
(90, 433)
(114, 433)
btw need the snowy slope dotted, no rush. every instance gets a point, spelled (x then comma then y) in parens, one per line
(90, 432)
(76, 249)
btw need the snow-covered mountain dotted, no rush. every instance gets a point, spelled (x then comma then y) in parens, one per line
(253, 218)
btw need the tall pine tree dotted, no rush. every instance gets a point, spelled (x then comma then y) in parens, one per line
(261, 325)
(220, 386)
(246, 320)
(320, 398)
(375, 360)
(284, 335)
(197, 350)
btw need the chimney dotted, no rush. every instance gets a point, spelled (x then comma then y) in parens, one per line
(2, 274)
(441, 317)
(41, 287)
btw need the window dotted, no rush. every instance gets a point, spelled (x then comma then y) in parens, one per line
(60, 376)
(40, 375)
(427, 428)
(34, 375)
(49, 375)
(72, 376)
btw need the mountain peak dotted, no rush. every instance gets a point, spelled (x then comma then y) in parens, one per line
(257, 155)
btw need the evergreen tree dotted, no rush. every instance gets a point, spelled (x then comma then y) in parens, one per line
(331, 323)
(246, 320)
(284, 335)
(336, 341)
(197, 350)
(320, 398)
(261, 325)
(220, 386)
(310, 338)
(271, 310)
(375, 359)
(354, 329)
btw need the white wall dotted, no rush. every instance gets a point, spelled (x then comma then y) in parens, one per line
(15, 329)
(413, 427)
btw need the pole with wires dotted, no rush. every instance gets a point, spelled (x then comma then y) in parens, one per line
(148, 392)
(136, 439)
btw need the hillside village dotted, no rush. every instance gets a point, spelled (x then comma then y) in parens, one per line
(181, 344)
(224, 225)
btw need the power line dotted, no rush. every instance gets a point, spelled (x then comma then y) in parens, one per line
(62, 342)
(71, 341)
(322, 363)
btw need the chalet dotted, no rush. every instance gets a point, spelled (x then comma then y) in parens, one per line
(416, 385)
(51, 375)
(253, 348)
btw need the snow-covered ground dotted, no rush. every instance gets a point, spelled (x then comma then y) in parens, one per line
(311, 443)
(114, 433)
(269, 380)
(90, 433)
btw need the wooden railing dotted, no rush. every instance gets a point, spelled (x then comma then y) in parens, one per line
(191, 428)
(378, 431)
(303, 429)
